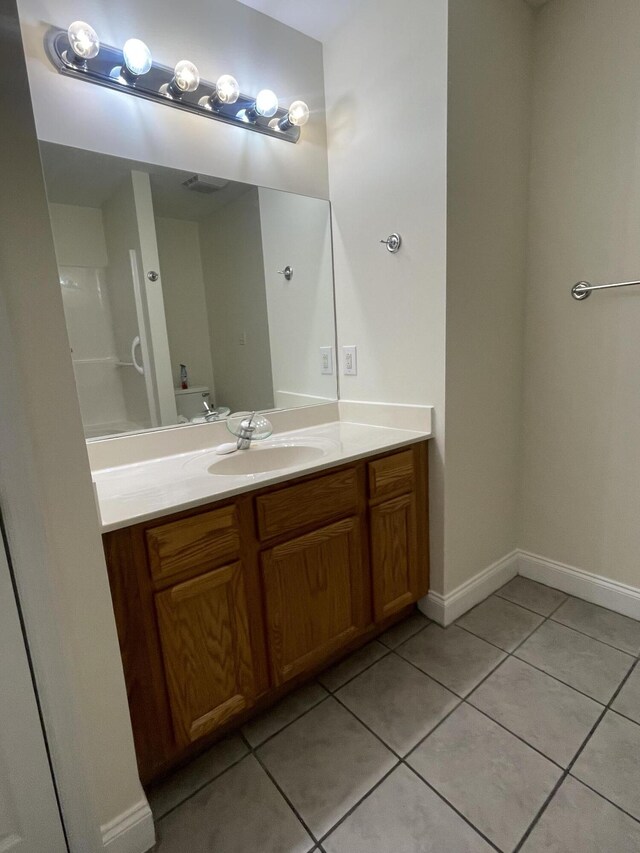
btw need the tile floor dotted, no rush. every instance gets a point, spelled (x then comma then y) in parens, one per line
(518, 728)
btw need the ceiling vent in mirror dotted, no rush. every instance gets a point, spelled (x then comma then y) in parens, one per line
(204, 184)
(77, 52)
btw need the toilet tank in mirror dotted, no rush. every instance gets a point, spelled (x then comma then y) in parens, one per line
(172, 279)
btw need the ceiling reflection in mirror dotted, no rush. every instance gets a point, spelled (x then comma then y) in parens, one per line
(186, 295)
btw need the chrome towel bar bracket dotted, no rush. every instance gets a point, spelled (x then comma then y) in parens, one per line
(583, 289)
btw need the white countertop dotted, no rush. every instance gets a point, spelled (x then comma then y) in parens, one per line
(128, 494)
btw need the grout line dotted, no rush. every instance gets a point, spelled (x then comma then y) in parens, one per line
(571, 764)
(524, 606)
(452, 807)
(201, 787)
(387, 652)
(544, 671)
(360, 801)
(591, 637)
(312, 835)
(286, 725)
(517, 736)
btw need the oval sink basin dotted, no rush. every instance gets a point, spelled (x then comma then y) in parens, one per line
(258, 459)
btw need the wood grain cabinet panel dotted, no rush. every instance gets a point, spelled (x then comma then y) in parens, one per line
(296, 507)
(394, 555)
(316, 597)
(201, 541)
(207, 656)
(392, 475)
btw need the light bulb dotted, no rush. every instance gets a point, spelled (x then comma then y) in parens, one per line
(297, 116)
(266, 103)
(185, 79)
(83, 40)
(227, 89)
(137, 59)
(298, 113)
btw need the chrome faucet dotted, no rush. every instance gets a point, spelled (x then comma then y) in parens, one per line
(245, 433)
(210, 414)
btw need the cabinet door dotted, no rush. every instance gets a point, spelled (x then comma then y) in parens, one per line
(316, 597)
(394, 556)
(207, 656)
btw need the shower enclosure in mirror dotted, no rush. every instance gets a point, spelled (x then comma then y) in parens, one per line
(162, 268)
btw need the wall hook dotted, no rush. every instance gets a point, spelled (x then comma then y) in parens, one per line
(393, 243)
(287, 272)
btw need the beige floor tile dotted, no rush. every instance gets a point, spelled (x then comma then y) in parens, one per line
(547, 714)
(240, 811)
(579, 661)
(403, 815)
(500, 622)
(532, 595)
(601, 624)
(496, 781)
(454, 657)
(325, 762)
(398, 702)
(610, 762)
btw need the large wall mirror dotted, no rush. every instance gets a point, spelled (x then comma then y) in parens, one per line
(170, 278)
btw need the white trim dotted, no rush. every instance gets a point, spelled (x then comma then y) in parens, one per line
(130, 832)
(445, 609)
(607, 593)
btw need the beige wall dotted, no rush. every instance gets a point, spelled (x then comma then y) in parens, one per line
(47, 498)
(386, 81)
(489, 123)
(581, 499)
(184, 300)
(221, 37)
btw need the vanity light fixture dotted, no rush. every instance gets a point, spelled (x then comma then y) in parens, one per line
(186, 78)
(297, 116)
(77, 52)
(83, 43)
(226, 93)
(137, 60)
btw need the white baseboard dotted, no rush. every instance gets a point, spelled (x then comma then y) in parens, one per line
(446, 609)
(594, 588)
(130, 832)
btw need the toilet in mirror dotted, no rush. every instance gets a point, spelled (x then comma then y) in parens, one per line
(187, 296)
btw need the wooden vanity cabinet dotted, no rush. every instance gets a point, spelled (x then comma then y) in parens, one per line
(218, 608)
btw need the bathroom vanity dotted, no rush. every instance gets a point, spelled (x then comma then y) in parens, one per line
(224, 607)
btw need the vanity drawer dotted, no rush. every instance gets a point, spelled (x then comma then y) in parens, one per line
(202, 541)
(315, 501)
(392, 475)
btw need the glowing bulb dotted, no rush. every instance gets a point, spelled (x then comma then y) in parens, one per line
(185, 78)
(137, 59)
(83, 40)
(298, 113)
(227, 89)
(266, 103)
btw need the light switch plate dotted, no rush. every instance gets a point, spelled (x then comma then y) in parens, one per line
(326, 360)
(350, 361)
